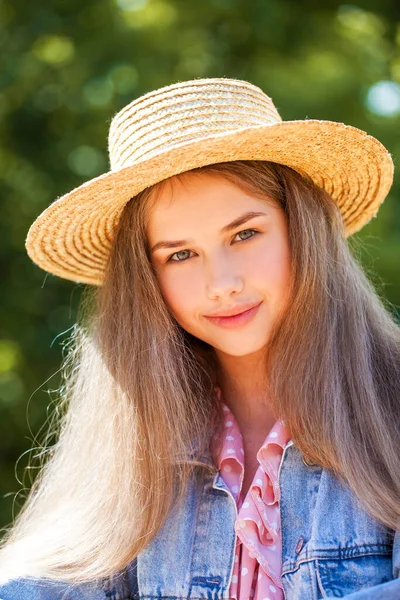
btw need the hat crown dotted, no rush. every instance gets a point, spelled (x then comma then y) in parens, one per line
(185, 112)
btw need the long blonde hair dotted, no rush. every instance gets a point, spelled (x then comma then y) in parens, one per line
(137, 407)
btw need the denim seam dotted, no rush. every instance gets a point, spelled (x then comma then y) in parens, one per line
(319, 582)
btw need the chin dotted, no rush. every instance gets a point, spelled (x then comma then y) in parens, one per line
(240, 348)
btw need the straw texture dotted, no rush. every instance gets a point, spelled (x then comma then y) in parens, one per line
(192, 124)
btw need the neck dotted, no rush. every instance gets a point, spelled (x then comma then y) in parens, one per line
(244, 386)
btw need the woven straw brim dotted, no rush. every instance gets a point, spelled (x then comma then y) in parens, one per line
(73, 236)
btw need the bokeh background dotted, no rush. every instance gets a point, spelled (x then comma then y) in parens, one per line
(68, 66)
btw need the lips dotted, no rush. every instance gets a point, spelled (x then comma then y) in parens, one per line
(237, 320)
(234, 310)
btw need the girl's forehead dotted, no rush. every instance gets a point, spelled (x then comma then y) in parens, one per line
(201, 191)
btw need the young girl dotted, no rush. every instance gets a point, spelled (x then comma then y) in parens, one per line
(229, 423)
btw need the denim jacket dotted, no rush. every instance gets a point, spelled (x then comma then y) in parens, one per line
(330, 546)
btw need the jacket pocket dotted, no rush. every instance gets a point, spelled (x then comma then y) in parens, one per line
(338, 577)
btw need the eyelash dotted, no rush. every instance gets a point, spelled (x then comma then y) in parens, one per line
(185, 259)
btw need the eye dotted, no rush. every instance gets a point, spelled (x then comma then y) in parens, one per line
(246, 231)
(179, 255)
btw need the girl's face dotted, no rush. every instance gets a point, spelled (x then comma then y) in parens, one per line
(216, 250)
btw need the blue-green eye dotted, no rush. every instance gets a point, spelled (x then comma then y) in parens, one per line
(171, 259)
(253, 232)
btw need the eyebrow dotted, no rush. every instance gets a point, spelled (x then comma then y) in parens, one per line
(233, 225)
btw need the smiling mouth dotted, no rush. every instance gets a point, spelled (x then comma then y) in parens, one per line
(236, 320)
(233, 312)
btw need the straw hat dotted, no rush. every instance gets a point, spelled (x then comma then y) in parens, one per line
(192, 124)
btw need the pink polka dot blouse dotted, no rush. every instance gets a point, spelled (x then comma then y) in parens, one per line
(257, 567)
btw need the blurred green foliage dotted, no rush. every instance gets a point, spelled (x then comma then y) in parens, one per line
(69, 66)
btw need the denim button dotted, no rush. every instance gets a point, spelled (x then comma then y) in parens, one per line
(299, 545)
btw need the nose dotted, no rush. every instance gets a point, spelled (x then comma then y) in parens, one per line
(223, 278)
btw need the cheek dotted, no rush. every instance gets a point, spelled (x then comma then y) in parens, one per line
(272, 271)
(180, 292)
